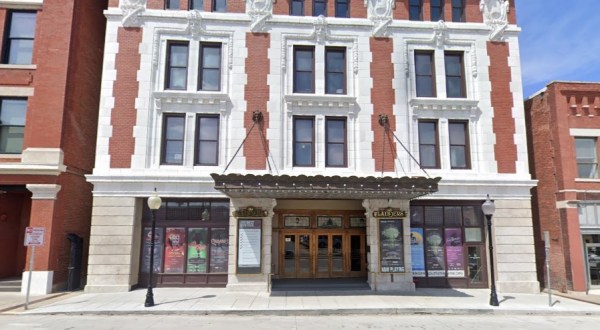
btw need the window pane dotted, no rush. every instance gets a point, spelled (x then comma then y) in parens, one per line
(22, 25)
(436, 10)
(20, 51)
(212, 57)
(424, 86)
(427, 156)
(178, 56)
(319, 8)
(178, 78)
(11, 139)
(336, 61)
(174, 152)
(336, 131)
(174, 129)
(423, 64)
(416, 216)
(220, 6)
(453, 65)
(587, 170)
(470, 219)
(297, 8)
(303, 130)
(209, 128)
(303, 154)
(454, 87)
(427, 133)
(12, 112)
(585, 148)
(211, 80)
(458, 157)
(304, 59)
(197, 4)
(453, 216)
(335, 155)
(341, 8)
(303, 82)
(434, 215)
(335, 83)
(457, 133)
(207, 152)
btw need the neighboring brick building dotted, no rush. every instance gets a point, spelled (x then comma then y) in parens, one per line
(50, 77)
(281, 136)
(563, 122)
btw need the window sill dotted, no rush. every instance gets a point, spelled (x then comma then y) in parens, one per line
(320, 100)
(10, 156)
(587, 180)
(439, 104)
(18, 66)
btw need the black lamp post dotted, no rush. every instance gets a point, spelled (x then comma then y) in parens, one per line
(154, 204)
(488, 209)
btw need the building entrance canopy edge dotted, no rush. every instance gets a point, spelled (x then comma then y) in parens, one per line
(323, 187)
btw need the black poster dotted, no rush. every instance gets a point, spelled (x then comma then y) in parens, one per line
(434, 245)
(219, 250)
(392, 246)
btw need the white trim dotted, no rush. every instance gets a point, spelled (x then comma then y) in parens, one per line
(22, 4)
(16, 91)
(584, 132)
(41, 282)
(18, 66)
(43, 191)
(587, 180)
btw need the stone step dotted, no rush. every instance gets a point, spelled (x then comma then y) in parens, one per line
(10, 285)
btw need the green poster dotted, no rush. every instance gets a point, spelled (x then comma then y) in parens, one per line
(196, 256)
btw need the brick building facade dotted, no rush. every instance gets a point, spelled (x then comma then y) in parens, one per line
(49, 97)
(311, 139)
(563, 125)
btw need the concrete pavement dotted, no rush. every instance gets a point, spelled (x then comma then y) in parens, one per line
(219, 301)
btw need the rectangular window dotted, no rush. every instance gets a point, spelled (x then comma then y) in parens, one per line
(428, 144)
(20, 33)
(304, 69)
(319, 8)
(587, 157)
(335, 140)
(297, 7)
(304, 137)
(172, 139)
(207, 137)
(424, 73)
(172, 4)
(455, 83)
(196, 4)
(459, 145)
(219, 6)
(12, 125)
(335, 70)
(177, 62)
(437, 10)
(341, 8)
(458, 10)
(209, 77)
(415, 10)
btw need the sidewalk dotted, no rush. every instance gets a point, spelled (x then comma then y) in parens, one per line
(221, 301)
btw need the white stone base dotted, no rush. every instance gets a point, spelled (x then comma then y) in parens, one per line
(41, 282)
(518, 287)
(391, 282)
(106, 288)
(248, 287)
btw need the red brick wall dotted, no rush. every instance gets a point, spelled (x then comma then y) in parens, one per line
(155, 4)
(505, 149)
(358, 9)
(115, 3)
(3, 13)
(382, 96)
(11, 218)
(16, 77)
(427, 10)
(472, 11)
(234, 6)
(281, 7)
(257, 95)
(401, 11)
(83, 84)
(42, 215)
(127, 63)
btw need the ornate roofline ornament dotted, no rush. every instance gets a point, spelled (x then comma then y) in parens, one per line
(440, 34)
(320, 32)
(495, 15)
(194, 27)
(380, 13)
(260, 12)
(132, 11)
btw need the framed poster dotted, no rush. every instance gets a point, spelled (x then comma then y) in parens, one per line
(329, 221)
(434, 243)
(358, 222)
(158, 249)
(296, 221)
(219, 250)
(249, 246)
(417, 249)
(454, 252)
(175, 250)
(197, 246)
(391, 243)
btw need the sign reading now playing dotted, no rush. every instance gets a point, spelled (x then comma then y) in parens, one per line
(34, 236)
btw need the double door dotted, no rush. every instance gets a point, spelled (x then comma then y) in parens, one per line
(323, 254)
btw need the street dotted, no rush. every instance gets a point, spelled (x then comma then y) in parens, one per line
(446, 322)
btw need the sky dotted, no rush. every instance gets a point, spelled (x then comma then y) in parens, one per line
(560, 40)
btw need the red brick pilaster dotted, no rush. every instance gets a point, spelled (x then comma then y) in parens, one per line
(155, 4)
(358, 9)
(281, 7)
(401, 11)
(472, 12)
(426, 10)
(382, 96)
(505, 149)
(127, 63)
(42, 215)
(256, 94)
(235, 6)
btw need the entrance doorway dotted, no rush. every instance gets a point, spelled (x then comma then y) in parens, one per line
(593, 262)
(320, 253)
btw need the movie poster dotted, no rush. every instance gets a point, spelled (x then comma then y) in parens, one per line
(392, 246)
(454, 252)
(417, 251)
(219, 250)
(434, 243)
(175, 250)
(196, 256)
(158, 249)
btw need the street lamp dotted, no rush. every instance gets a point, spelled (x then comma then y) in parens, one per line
(154, 203)
(488, 209)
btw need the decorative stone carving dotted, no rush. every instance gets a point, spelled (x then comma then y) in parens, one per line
(380, 13)
(194, 27)
(260, 11)
(132, 10)
(440, 34)
(495, 15)
(320, 31)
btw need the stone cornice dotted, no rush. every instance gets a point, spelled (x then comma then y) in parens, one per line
(184, 98)
(321, 101)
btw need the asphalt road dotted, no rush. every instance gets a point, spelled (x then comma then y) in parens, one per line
(445, 322)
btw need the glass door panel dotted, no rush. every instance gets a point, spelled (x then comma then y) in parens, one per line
(337, 254)
(323, 254)
(593, 261)
(475, 269)
(355, 253)
(304, 264)
(289, 262)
